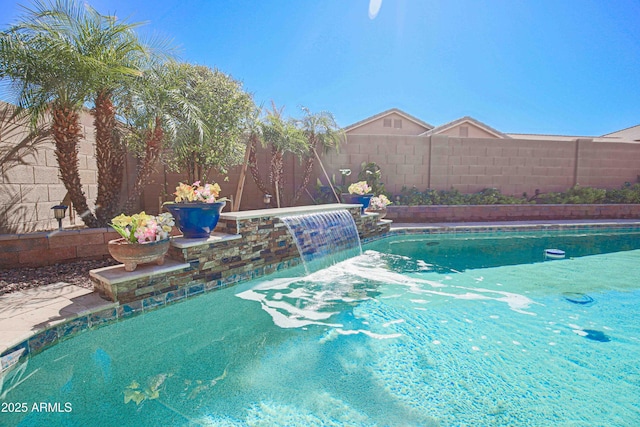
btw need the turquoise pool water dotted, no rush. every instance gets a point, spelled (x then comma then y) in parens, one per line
(455, 330)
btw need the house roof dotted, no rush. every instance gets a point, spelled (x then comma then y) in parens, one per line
(468, 120)
(386, 113)
(569, 138)
(632, 132)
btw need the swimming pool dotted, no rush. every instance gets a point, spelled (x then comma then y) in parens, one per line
(419, 330)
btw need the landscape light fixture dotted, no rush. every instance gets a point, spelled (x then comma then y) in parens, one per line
(267, 200)
(59, 212)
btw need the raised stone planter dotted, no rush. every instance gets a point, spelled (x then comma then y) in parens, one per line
(246, 245)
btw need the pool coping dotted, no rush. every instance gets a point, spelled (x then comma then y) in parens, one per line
(53, 313)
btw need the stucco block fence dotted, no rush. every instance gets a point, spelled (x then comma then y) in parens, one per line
(480, 213)
(245, 245)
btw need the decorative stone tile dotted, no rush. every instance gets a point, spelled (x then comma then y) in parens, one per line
(282, 266)
(175, 295)
(72, 327)
(195, 289)
(101, 317)
(153, 302)
(44, 339)
(213, 285)
(12, 356)
(130, 309)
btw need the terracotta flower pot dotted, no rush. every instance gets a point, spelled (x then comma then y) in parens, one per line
(381, 212)
(133, 254)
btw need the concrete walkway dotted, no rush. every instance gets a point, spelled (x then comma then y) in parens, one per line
(25, 313)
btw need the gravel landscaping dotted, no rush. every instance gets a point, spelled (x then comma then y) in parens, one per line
(75, 273)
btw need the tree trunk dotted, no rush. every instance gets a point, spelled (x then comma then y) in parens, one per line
(308, 168)
(253, 165)
(66, 134)
(277, 160)
(109, 158)
(153, 148)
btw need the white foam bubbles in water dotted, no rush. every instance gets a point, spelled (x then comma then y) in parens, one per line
(298, 302)
(393, 322)
(285, 314)
(367, 333)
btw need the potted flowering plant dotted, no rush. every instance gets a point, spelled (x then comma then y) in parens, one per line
(359, 193)
(145, 238)
(378, 204)
(197, 208)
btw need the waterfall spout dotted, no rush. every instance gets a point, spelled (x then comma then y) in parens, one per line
(324, 238)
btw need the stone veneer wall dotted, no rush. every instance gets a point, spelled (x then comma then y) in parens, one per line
(471, 213)
(246, 245)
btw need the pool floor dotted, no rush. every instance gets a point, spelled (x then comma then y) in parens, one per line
(384, 339)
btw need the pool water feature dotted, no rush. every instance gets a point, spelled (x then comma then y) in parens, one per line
(387, 338)
(324, 238)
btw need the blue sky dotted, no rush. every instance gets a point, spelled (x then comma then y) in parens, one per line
(551, 67)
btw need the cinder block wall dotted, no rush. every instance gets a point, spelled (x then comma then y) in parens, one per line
(41, 249)
(471, 164)
(30, 186)
(513, 166)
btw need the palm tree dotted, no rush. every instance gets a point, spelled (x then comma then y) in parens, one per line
(254, 133)
(42, 71)
(280, 135)
(62, 55)
(155, 107)
(321, 131)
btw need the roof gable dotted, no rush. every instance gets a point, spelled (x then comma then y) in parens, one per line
(467, 127)
(630, 133)
(419, 124)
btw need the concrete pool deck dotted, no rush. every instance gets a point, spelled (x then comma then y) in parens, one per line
(25, 313)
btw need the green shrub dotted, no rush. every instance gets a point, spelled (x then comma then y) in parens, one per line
(628, 193)
(488, 196)
(575, 195)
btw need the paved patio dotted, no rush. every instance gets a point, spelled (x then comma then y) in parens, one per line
(24, 313)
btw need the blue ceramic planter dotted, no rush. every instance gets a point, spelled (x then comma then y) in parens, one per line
(196, 220)
(360, 199)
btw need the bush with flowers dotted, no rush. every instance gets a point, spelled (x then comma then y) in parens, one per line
(360, 188)
(379, 202)
(143, 228)
(196, 192)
